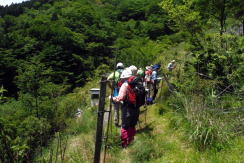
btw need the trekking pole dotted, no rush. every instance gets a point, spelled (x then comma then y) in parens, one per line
(107, 131)
(100, 117)
(145, 106)
(148, 95)
(113, 88)
(146, 115)
(109, 123)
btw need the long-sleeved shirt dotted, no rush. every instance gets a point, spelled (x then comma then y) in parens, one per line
(122, 93)
(154, 75)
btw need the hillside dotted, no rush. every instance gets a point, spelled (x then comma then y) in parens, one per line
(53, 52)
(162, 136)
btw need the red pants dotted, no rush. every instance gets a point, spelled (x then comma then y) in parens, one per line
(127, 136)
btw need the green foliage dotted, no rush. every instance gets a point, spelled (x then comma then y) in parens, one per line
(19, 137)
(85, 124)
(48, 48)
(29, 130)
(222, 65)
(208, 125)
(74, 38)
(138, 51)
(32, 76)
(101, 70)
(144, 150)
(40, 111)
(2, 97)
(207, 104)
(130, 9)
(182, 14)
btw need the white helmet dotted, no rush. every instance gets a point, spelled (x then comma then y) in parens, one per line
(133, 69)
(120, 65)
(126, 73)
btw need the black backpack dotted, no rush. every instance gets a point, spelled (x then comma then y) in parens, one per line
(139, 90)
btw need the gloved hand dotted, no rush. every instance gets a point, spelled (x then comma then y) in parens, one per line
(109, 97)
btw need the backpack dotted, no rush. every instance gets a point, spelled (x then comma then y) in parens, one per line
(136, 92)
(156, 66)
(117, 85)
(119, 82)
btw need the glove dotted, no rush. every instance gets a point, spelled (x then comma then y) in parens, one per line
(110, 97)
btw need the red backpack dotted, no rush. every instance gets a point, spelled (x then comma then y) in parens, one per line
(131, 96)
(136, 92)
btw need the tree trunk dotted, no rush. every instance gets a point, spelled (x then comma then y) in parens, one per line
(222, 18)
(37, 110)
(243, 27)
(222, 22)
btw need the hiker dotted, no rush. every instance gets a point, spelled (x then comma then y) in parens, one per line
(154, 79)
(133, 70)
(130, 111)
(140, 74)
(148, 74)
(171, 65)
(148, 83)
(114, 79)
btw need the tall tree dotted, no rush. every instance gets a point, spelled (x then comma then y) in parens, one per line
(31, 78)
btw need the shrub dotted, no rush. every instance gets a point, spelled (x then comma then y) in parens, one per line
(85, 124)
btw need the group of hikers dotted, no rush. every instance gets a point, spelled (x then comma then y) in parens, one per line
(131, 89)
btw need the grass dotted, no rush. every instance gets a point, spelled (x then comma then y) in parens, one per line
(162, 136)
(157, 140)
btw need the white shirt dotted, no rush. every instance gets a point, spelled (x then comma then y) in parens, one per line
(171, 66)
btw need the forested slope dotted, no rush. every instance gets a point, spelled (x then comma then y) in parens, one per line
(49, 48)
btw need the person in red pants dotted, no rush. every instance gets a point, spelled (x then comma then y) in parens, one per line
(130, 112)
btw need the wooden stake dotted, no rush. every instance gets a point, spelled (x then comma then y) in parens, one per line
(100, 116)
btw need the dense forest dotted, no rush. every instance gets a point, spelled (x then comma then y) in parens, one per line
(48, 48)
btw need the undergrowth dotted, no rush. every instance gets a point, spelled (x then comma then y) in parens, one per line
(192, 124)
(166, 133)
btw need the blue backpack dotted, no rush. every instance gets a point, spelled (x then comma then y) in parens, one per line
(156, 66)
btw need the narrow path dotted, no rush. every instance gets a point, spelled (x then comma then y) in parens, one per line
(155, 141)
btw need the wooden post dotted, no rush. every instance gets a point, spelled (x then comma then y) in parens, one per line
(100, 116)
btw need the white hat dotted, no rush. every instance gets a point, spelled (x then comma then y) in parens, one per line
(133, 69)
(126, 73)
(120, 65)
(148, 68)
(173, 61)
